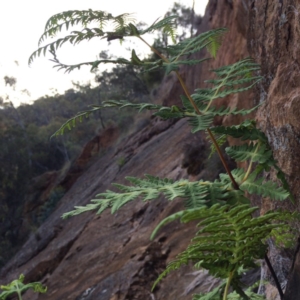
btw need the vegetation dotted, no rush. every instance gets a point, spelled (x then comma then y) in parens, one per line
(230, 237)
(18, 287)
(28, 128)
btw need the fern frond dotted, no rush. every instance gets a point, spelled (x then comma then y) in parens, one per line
(221, 139)
(245, 131)
(165, 112)
(229, 238)
(201, 122)
(69, 124)
(196, 194)
(122, 21)
(253, 152)
(17, 287)
(281, 176)
(238, 175)
(267, 189)
(195, 44)
(67, 19)
(216, 294)
(166, 221)
(122, 27)
(215, 42)
(233, 78)
(174, 65)
(167, 25)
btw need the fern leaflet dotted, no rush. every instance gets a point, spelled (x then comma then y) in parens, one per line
(229, 238)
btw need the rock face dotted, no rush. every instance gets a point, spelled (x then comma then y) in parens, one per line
(273, 37)
(110, 257)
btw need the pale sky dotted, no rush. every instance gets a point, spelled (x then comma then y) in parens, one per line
(22, 23)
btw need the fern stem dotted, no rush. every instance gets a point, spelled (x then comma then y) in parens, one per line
(234, 183)
(154, 50)
(227, 285)
(182, 83)
(274, 276)
(18, 292)
(216, 93)
(212, 137)
(250, 165)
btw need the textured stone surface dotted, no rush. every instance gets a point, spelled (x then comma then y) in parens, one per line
(273, 41)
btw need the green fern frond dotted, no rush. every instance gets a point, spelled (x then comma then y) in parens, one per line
(267, 189)
(122, 21)
(170, 31)
(69, 124)
(253, 152)
(17, 287)
(233, 78)
(167, 25)
(286, 236)
(254, 185)
(221, 139)
(238, 175)
(195, 194)
(122, 27)
(216, 294)
(281, 176)
(215, 43)
(201, 122)
(229, 238)
(174, 65)
(245, 131)
(165, 112)
(225, 111)
(166, 221)
(195, 44)
(67, 19)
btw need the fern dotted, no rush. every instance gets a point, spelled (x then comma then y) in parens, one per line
(229, 238)
(197, 194)
(255, 153)
(246, 131)
(221, 139)
(209, 40)
(267, 189)
(167, 25)
(72, 122)
(17, 287)
(216, 293)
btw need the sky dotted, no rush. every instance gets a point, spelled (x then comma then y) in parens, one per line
(22, 23)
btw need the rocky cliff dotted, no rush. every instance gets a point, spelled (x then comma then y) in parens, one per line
(110, 257)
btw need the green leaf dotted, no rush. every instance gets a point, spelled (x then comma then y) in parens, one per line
(255, 153)
(245, 131)
(266, 189)
(229, 238)
(165, 221)
(167, 25)
(200, 122)
(17, 287)
(195, 44)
